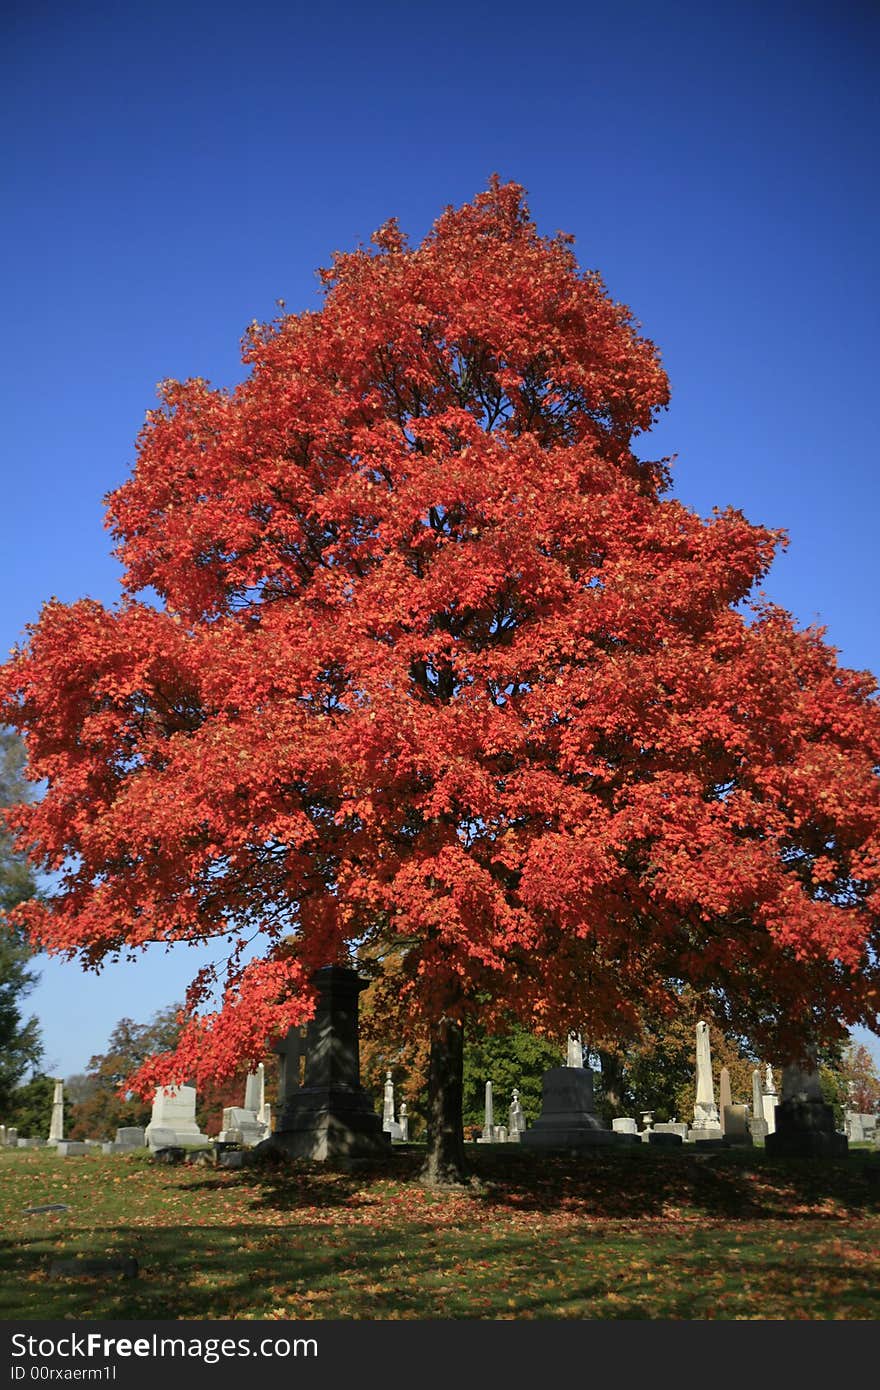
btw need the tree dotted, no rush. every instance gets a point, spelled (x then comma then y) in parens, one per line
(657, 1071)
(101, 1101)
(850, 1081)
(30, 1107)
(432, 660)
(20, 1045)
(513, 1059)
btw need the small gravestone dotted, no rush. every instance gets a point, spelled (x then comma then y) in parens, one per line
(736, 1124)
(174, 1113)
(389, 1124)
(130, 1137)
(672, 1127)
(70, 1148)
(48, 1206)
(125, 1267)
(625, 1124)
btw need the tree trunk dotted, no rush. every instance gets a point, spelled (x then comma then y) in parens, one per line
(445, 1163)
(612, 1082)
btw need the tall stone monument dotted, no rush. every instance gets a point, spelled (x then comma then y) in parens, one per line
(56, 1122)
(488, 1135)
(758, 1127)
(769, 1099)
(391, 1127)
(804, 1121)
(706, 1122)
(331, 1115)
(725, 1098)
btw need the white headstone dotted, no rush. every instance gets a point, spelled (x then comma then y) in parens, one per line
(625, 1124)
(488, 1135)
(174, 1113)
(56, 1123)
(388, 1103)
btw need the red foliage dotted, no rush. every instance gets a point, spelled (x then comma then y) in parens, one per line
(437, 661)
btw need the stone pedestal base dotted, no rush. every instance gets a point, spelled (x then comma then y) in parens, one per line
(697, 1136)
(805, 1128)
(567, 1120)
(328, 1122)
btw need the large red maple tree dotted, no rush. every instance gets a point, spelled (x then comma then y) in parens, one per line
(435, 665)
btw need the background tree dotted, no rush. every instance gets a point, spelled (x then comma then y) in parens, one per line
(437, 663)
(100, 1102)
(21, 1048)
(515, 1058)
(850, 1081)
(657, 1071)
(30, 1107)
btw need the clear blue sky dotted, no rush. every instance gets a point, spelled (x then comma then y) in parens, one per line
(171, 170)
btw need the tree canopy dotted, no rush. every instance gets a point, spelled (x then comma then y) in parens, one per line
(415, 648)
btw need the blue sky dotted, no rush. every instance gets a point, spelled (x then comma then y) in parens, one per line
(171, 170)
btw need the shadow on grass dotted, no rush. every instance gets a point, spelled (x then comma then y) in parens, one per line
(628, 1184)
(335, 1270)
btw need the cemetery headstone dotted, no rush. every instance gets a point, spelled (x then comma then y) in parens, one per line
(725, 1099)
(625, 1124)
(331, 1115)
(568, 1119)
(706, 1122)
(574, 1054)
(804, 1121)
(673, 1127)
(389, 1124)
(488, 1135)
(769, 1099)
(736, 1124)
(246, 1124)
(56, 1122)
(516, 1120)
(173, 1120)
(758, 1127)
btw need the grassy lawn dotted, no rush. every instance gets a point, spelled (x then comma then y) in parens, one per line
(636, 1233)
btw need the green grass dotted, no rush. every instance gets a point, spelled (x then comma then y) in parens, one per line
(634, 1233)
